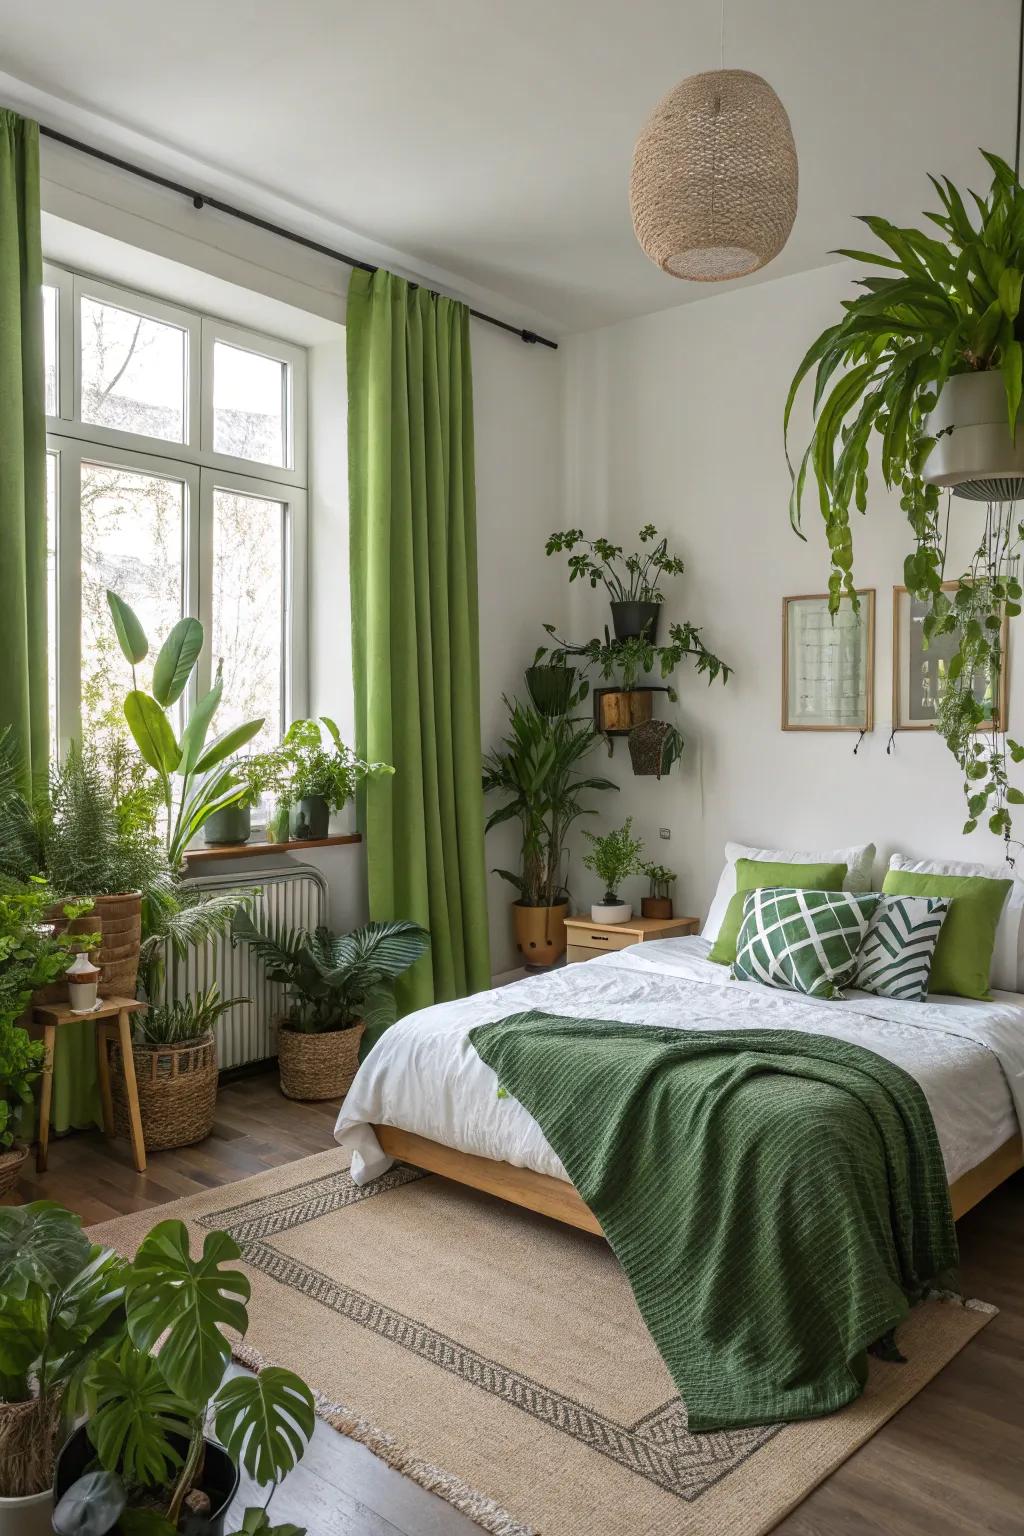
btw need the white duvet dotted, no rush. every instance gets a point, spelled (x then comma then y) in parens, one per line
(424, 1075)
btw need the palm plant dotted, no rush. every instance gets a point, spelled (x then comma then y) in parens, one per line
(536, 770)
(943, 306)
(177, 918)
(337, 981)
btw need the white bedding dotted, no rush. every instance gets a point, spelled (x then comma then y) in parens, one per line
(424, 1076)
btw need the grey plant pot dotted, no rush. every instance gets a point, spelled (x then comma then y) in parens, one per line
(309, 819)
(629, 619)
(974, 453)
(233, 824)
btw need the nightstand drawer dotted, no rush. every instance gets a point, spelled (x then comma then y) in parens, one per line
(601, 938)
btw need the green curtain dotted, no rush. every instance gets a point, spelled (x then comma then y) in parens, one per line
(23, 679)
(416, 664)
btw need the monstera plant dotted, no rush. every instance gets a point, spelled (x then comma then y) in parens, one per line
(944, 306)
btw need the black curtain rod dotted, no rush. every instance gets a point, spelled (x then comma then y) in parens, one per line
(203, 200)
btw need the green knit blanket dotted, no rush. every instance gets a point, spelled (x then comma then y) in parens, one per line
(776, 1199)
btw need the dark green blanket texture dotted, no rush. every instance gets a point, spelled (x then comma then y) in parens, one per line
(776, 1199)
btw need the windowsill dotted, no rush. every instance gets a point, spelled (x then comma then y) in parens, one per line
(258, 850)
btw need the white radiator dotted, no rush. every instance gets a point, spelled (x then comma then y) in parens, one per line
(292, 898)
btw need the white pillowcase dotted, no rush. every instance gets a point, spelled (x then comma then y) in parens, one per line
(1007, 954)
(859, 861)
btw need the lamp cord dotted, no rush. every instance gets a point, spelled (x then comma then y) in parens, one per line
(1020, 87)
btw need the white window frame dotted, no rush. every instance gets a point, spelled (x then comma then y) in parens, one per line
(194, 463)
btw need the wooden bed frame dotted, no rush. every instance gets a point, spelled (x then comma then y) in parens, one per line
(556, 1198)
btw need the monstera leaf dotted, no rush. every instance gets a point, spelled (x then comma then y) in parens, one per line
(135, 1412)
(265, 1422)
(256, 1522)
(190, 1300)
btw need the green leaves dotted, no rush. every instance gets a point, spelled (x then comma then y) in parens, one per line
(42, 1246)
(130, 633)
(193, 737)
(190, 1300)
(257, 1523)
(152, 733)
(265, 1422)
(178, 656)
(135, 1411)
(227, 745)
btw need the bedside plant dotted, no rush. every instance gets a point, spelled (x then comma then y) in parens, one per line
(613, 858)
(659, 902)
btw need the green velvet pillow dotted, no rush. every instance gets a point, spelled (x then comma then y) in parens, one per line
(753, 875)
(963, 955)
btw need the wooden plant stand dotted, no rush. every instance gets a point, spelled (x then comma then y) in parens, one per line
(112, 1016)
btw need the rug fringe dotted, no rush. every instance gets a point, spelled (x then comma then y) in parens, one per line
(480, 1508)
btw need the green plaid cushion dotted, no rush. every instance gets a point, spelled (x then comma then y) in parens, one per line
(802, 941)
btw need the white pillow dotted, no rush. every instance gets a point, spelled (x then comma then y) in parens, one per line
(859, 861)
(1007, 954)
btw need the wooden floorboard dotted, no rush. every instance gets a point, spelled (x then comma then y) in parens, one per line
(949, 1464)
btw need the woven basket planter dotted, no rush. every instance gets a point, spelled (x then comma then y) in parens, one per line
(28, 1446)
(11, 1164)
(118, 955)
(177, 1091)
(318, 1066)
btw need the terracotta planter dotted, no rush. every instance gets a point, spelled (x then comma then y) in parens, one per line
(656, 906)
(11, 1164)
(621, 711)
(177, 1092)
(314, 1067)
(540, 933)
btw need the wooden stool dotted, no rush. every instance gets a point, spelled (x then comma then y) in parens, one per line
(111, 1009)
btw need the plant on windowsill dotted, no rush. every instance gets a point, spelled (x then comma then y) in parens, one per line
(260, 774)
(315, 780)
(337, 986)
(631, 581)
(659, 902)
(536, 771)
(613, 858)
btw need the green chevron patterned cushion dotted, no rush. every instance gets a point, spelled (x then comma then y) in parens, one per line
(896, 957)
(802, 940)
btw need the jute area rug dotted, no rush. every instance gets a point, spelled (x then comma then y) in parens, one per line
(498, 1358)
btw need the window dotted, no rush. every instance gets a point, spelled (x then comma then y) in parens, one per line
(175, 476)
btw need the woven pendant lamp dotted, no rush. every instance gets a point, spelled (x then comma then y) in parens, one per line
(713, 187)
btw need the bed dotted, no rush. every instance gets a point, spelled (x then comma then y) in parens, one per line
(423, 1096)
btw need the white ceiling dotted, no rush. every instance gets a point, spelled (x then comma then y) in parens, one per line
(492, 138)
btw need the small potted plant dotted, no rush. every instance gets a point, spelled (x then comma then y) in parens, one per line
(175, 1054)
(317, 780)
(142, 1460)
(259, 774)
(631, 581)
(60, 1300)
(337, 986)
(659, 902)
(627, 700)
(613, 858)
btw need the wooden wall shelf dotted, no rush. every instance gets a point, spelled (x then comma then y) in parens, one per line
(258, 850)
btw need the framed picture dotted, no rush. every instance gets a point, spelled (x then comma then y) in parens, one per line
(828, 664)
(919, 675)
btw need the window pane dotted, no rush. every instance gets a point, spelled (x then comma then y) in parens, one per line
(51, 591)
(248, 405)
(132, 527)
(248, 610)
(50, 311)
(133, 372)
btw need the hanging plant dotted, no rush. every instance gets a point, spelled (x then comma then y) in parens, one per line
(946, 308)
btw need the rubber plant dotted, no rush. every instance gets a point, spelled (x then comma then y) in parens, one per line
(195, 779)
(942, 305)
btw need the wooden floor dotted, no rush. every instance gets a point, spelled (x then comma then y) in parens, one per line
(950, 1464)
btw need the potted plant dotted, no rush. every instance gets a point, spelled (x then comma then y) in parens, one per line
(148, 1407)
(552, 682)
(929, 358)
(536, 771)
(175, 1054)
(258, 774)
(659, 902)
(613, 858)
(623, 664)
(336, 986)
(60, 1299)
(653, 747)
(631, 581)
(317, 780)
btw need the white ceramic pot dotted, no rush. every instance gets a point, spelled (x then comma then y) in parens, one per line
(611, 912)
(30, 1516)
(974, 454)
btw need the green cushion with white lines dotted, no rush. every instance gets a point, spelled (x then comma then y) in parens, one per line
(896, 957)
(802, 941)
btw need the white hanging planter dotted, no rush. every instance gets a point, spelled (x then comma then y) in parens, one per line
(28, 1516)
(974, 454)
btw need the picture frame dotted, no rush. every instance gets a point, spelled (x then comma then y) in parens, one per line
(828, 666)
(916, 672)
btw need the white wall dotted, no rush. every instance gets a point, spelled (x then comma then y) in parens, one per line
(677, 418)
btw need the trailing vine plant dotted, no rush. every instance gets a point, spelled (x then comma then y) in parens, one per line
(943, 306)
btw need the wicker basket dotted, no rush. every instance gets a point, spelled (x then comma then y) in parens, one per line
(318, 1066)
(28, 1442)
(177, 1091)
(118, 955)
(10, 1167)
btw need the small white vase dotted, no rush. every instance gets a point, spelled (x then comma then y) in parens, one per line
(611, 912)
(83, 981)
(28, 1516)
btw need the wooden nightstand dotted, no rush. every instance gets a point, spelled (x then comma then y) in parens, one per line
(587, 939)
